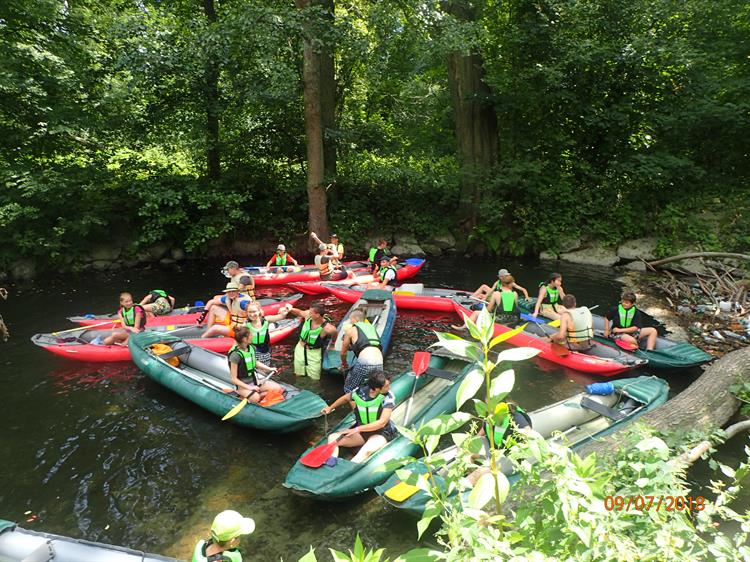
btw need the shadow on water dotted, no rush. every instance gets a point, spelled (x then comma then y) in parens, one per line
(98, 451)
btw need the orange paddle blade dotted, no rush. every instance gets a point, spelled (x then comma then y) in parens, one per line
(626, 345)
(320, 454)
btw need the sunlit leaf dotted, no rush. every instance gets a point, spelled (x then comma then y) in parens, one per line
(469, 386)
(517, 354)
(502, 384)
(443, 424)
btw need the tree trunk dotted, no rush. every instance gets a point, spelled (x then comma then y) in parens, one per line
(328, 97)
(475, 121)
(213, 159)
(316, 193)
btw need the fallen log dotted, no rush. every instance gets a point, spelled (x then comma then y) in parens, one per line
(658, 263)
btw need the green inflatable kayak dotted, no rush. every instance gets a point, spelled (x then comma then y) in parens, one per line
(575, 420)
(202, 377)
(434, 396)
(380, 311)
(668, 354)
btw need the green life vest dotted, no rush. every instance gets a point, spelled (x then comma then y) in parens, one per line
(508, 301)
(281, 260)
(626, 315)
(156, 293)
(366, 337)
(311, 336)
(384, 271)
(368, 411)
(128, 315)
(246, 368)
(199, 554)
(260, 335)
(552, 295)
(372, 254)
(500, 434)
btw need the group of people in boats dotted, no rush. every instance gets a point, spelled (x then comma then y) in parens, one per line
(576, 330)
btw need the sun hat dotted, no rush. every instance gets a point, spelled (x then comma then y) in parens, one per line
(281, 247)
(231, 286)
(232, 265)
(503, 272)
(230, 524)
(322, 246)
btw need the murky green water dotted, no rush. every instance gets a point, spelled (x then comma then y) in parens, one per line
(102, 453)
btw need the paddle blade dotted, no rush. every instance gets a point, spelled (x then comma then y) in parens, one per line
(554, 323)
(626, 345)
(420, 362)
(236, 410)
(319, 455)
(560, 350)
(401, 492)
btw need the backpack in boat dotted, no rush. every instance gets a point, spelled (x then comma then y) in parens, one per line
(161, 349)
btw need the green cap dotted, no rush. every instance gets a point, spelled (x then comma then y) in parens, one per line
(230, 524)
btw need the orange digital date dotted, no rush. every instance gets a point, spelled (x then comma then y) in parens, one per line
(645, 503)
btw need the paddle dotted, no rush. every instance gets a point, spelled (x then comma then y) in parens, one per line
(85, 327)
(419, 365)
(238, 408)
(626, 345)
(320, 454)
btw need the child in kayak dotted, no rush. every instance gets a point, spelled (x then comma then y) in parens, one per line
(373, 404)
(280, 259)
(625, 322)
(485, 291)
(225, 312)
(504, 302)
(549, 300)
(157, 303)
(576, 326)
(377, 252)
(242, 367)
(226, 530)
(132, 319)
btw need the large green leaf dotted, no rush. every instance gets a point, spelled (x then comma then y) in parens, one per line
(444, 423)
(469, 386)
(502, 384)
(517, 354)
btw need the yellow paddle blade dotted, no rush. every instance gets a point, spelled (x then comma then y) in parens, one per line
(554, 323)
(402, 491)
(507, 335)
(236, 410)
(405, 293)
(170, 327)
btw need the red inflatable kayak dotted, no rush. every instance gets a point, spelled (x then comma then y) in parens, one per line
(185, 315)
(437, 300)
(78, 346)
(599, 360)
(404, 271)
(265, 276)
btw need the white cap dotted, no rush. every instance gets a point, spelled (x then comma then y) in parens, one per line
(281, 247)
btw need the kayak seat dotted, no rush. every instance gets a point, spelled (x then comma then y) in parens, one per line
(415, 288)
(205, 361)
(568, 414)
(599, 408)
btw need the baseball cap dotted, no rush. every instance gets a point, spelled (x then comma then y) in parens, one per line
(503, 273)
(281, 247)
(232, 265)
(231, 287)
(230, 524)
(334, 235)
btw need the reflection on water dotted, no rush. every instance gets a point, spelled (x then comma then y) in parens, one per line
(99, 451)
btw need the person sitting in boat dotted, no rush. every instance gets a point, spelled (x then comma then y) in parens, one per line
(362, 339)
(157, 303)
(373, 404)
(550, 298)
(576, 326)
(225, 312)
(625, 322)
(486, 291)
(505, 302)
(223, 546)
(387, 272)
(238, 275)
(243, 365)
(316, 332)
(377, 252)
(280, 259)
(513, 426)
(335, 248)
(132, 319)
(258, 324)
(325, 265)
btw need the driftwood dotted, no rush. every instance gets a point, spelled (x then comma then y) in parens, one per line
(705, 406)
(691, 456)
(4, 333)
(658, 263)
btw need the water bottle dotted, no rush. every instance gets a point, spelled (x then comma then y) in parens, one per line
(601, 388)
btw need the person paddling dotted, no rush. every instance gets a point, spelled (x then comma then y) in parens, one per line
(625, 322)
(132, 319)
(373, 404)
(316, 332)
(157, 303)
(223, 546)
(576, 326)
(259, 324)
(222, 322)
(484, 292)
(242, 367)
(550, 297)
(364, 342)
(281, 259)
(504, 302)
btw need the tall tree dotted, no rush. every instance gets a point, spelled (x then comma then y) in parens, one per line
(328, 96)
(316, 189)
(213, 157)
(475, 119)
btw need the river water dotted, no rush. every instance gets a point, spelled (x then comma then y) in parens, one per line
(102, 453)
